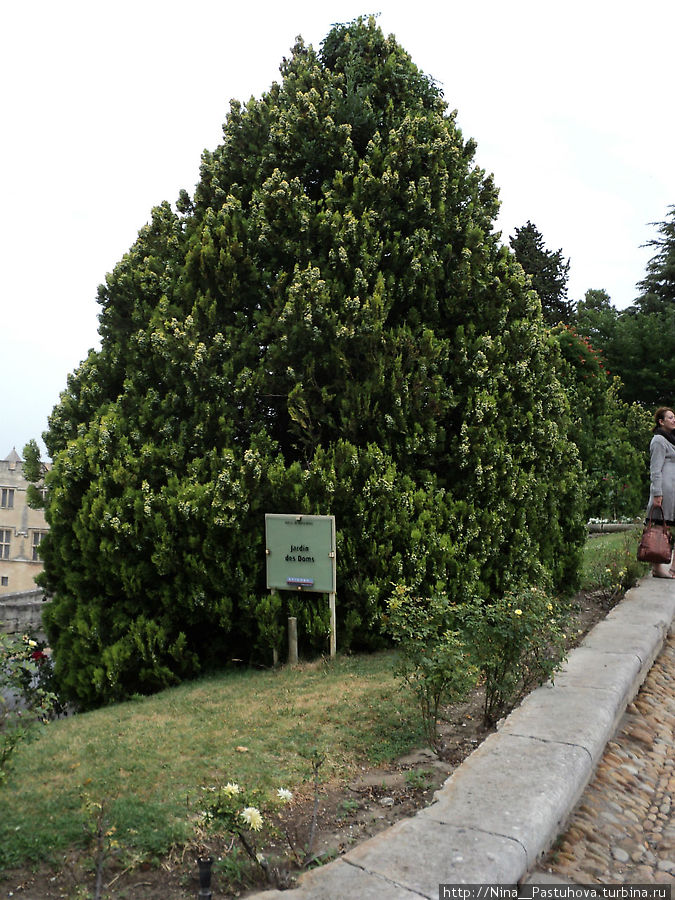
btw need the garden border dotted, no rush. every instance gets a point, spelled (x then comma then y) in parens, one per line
(501, 810)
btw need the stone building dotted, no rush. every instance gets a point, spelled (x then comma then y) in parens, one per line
(21, 530)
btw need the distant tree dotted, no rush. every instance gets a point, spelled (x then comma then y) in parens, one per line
(612, 436)
(548, 271)
(34, 472)
(595, 318)
(642, 353)
(639, 342)
(658, 285)
(330, 325)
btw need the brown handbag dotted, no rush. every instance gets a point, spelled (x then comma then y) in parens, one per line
(656, 543)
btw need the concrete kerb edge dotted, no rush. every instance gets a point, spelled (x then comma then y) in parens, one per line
(586, 701)
(627, 646)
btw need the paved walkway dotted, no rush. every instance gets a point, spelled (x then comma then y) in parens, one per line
(500, 812)
(622, 832)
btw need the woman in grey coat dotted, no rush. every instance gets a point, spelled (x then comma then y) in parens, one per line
(662, 476)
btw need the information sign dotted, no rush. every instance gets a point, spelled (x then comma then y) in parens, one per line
(300, 553)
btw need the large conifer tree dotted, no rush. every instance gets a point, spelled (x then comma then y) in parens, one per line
(329, 325)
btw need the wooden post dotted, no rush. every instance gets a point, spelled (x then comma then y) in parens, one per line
(292, 640)
(333, 639)
(275, 652)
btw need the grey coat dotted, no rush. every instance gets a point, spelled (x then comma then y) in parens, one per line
(662, 474)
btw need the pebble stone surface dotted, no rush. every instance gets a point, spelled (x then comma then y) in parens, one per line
(622, 831)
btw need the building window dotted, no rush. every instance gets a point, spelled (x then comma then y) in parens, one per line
(37, 538)
(4, 543)
(4, 581)
(7, 498)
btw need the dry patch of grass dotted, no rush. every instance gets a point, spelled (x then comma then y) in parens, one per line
(149, 757)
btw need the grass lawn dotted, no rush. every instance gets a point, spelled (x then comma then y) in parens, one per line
(148, 758)
(609, 551)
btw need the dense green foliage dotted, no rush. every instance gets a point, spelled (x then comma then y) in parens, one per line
(34, 471)
(641, 350)
(638, 343)
(329, 325)
(595, 317)
(548, 271)
(612, 436)
(610, 426)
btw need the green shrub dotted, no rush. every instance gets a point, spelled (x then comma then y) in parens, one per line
(518, 642)
(25, 701)
(434, 657)
(514, 642)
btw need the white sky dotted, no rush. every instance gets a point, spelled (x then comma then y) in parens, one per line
(107, 106)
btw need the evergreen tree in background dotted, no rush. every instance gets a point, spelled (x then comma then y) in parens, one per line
(548, 271)
(638, 343)
(643, 348)
(595, 318)
(658, 285)
(642, 353)
(611, 435)
(328, 326)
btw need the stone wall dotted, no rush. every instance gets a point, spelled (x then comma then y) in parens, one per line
(22, 612)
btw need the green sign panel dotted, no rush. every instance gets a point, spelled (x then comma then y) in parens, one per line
(300, 553)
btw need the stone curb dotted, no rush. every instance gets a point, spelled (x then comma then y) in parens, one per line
(504, 806)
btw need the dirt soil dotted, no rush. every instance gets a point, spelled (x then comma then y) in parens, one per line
(347, 814)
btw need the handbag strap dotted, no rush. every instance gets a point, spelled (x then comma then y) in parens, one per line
(663, 517)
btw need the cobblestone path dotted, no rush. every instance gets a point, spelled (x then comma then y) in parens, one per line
(622, 831)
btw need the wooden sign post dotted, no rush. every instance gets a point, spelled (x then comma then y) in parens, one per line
(300, 554)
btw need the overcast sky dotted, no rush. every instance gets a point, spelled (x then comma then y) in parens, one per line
(107, 106)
